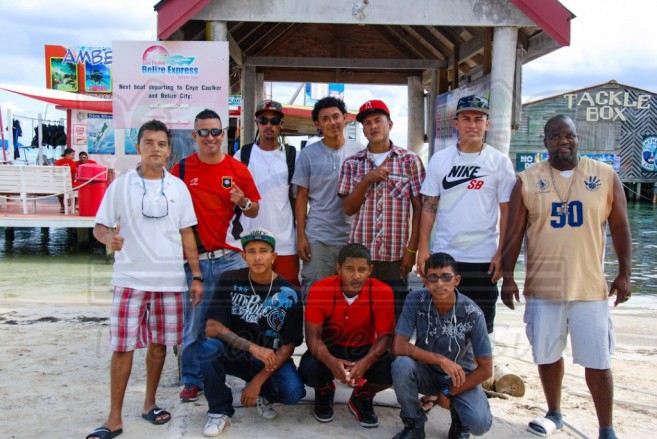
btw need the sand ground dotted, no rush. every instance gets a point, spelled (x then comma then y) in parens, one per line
(54, 369)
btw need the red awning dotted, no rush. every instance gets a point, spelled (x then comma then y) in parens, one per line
(549, 15)
(172, 14)
(63, 99)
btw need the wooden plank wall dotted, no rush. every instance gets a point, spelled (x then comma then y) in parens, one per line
(603, 137)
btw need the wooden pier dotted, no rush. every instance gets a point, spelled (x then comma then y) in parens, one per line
(46, 216)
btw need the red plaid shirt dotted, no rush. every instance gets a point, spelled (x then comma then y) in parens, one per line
(382, 224)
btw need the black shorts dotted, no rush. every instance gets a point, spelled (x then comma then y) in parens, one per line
(476, 284)
(315, 374)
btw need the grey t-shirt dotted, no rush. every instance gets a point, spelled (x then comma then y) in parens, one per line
(460, 334)
(318, 169)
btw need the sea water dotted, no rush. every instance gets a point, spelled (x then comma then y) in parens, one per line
(49, 262)
(42, 263)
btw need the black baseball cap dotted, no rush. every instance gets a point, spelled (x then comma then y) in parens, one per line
(473, 103)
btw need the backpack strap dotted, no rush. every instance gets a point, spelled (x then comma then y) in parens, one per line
(181, 169)
(290, 158)
(245, 154)
(199, 243)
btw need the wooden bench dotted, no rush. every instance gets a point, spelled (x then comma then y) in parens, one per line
(30, 182)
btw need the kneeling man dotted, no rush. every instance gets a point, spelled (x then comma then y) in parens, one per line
(257, 317)
(451, 356)
(350, 318)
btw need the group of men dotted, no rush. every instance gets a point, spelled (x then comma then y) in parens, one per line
(359, 218)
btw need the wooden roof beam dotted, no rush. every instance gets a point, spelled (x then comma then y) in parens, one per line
(391, 39)
(252, 45)
(442, 38)
(451, 35)
(426, 44)
(288, 33)
(342, 76)
(403, 36)
(344, 63)
(425, 33)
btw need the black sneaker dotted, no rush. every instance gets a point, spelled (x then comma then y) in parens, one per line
(457, 430)
(411, 433)
(360, 404)
(324, 402)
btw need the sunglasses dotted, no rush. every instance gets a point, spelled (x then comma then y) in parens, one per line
(204, 132)
(446, 277)
(265, 120)
(154, 208)
(157, 207)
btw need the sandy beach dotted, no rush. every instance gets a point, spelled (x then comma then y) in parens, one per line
(55, 381)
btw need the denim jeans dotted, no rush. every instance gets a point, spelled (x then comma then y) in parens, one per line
(410, 378)
(284, 386)
(195, 346)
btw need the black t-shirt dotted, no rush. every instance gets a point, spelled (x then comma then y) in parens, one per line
(266, 318)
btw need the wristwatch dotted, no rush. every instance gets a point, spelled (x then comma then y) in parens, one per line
(248, 205)
(198, 278)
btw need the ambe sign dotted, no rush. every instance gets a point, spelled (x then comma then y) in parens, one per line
(607, 105)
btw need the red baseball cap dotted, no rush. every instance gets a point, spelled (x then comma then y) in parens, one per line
(373, 106)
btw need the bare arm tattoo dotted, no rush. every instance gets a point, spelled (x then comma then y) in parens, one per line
(430, 204)
(235, 341)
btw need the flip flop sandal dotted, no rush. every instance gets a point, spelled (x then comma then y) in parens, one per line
(155, 413)
(543, 427)
(105, 433)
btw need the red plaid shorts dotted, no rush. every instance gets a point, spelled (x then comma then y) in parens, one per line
(141, 317)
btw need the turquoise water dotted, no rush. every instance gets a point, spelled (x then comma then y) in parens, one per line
(51, 259)
(643, 225)
(643, 222)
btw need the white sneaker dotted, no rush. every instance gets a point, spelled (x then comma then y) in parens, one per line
(265, 408)
(215, 425)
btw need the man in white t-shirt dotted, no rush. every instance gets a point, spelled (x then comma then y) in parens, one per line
(466, 194)
(272, 166)
(146, 218)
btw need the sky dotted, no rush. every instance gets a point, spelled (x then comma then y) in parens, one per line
(610, 40)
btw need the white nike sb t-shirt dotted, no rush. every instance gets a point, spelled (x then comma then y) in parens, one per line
(471, 188)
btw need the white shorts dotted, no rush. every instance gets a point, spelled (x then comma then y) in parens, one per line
(591, 331)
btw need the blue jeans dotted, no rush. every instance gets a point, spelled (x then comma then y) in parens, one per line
(284, 386)
(411, 378)
(195, 346)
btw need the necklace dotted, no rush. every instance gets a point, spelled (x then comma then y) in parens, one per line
(563, 210)
(270, 285)
(263, 154)
(458, 149)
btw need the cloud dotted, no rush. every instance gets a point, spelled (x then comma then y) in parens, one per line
(609, 41)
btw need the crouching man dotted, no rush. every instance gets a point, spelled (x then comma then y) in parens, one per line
(349, 323)
(257, 317)
(451, 356)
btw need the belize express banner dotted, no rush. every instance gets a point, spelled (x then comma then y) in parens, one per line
(171, 81)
